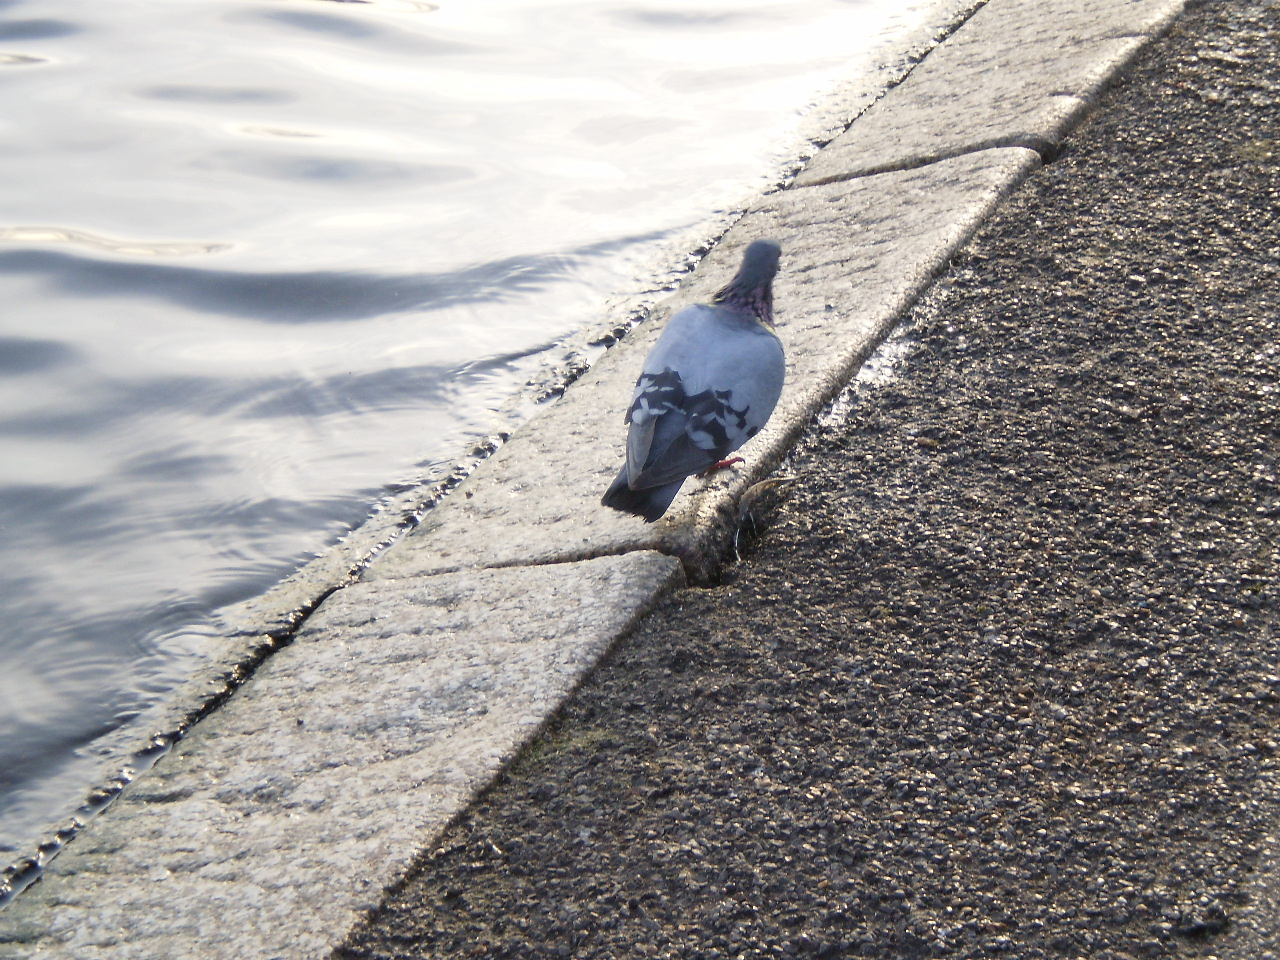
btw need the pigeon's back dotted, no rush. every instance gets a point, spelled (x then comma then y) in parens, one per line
(717, 347)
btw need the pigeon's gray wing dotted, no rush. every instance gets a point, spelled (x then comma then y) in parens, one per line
(709, 386)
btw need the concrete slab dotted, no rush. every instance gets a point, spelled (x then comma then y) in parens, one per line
(1253, 933)
(855, 256)
(286, 813)
(1019, 73)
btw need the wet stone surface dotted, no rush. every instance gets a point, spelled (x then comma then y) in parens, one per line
(1003, 677)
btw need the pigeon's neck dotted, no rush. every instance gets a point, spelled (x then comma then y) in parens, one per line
(757, 300)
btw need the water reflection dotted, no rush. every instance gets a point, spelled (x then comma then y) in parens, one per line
(191, 93)
(289, 297)
(19, 60)
(11, 30)
(20, 355)
(126, 248)
(417, 6)
(347, 27)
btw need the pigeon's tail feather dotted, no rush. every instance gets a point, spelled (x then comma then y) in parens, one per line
(650, 503)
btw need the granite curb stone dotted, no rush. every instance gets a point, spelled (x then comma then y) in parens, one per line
(285, 814)
(1019, 73)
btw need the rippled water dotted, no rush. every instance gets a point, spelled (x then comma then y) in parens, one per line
(260, 259)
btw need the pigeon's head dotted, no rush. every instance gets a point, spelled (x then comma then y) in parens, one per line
(760, 263)
(752, 287)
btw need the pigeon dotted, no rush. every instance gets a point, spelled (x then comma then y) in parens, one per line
(707, 387)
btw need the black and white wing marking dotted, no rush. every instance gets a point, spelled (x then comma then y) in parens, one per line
(708, 387)
(675, 434)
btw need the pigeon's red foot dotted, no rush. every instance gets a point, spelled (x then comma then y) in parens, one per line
(721, 465)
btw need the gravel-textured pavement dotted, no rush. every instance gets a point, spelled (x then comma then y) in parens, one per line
(1003, 676)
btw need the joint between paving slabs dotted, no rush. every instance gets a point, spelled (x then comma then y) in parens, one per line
(1047, 148)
